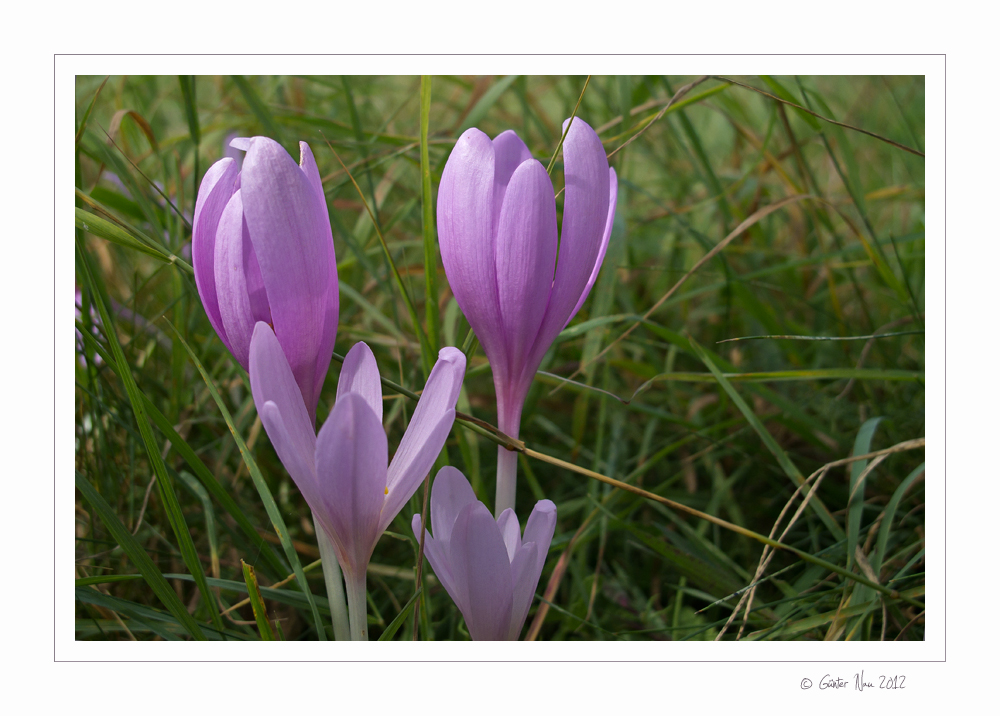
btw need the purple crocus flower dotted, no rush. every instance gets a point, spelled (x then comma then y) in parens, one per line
(263, 251)
(499, 241)
(343, 473)
(484, 564)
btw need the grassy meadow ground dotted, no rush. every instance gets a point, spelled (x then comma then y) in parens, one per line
(704, 447)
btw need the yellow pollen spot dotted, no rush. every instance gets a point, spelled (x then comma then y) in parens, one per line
(387, 490)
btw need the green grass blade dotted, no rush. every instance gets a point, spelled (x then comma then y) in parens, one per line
(486, 103)
(112, 232)
(856, 499)
(780, 91)
(860, 594)
(152, 575)
(698, 147)
(282, 596)
(805, 625)
(346, 290)
(793, 375)
(783, 460)
(703, 573)
(106, 579)
(427, 212)
(190, 110)
(188, 91)
(562, 137)
(105, 229)
(262, 489)
(823, 338)
(885, 529)
(852, 182)
(641, 124)
(788, 407)
(359, 137)
(191, 482)
(98, 150)
(150, 619)
(162, 623)
(257, 602)
(395, 624)
(164, 483)
(90, 108)
(427, 356)
(260, 111)
(102, 196)
(264, 548)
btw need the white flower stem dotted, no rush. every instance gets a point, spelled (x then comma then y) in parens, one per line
(506, 479)
(357, 602)
(334, 584)
(509, 422)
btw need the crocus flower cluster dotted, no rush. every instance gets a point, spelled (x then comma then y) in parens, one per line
(343, 473)
(262, 250)
(499, 242)
(489, 570)
(266, 272)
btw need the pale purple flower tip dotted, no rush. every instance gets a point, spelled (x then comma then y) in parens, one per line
(262, 250)
(232, 152)
(488, 568)
(343, 473)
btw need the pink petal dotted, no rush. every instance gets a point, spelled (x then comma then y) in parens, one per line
(465, 233)
(299, 463)
(612, 202)
(585, 218)
(359, 374)
(213, 195)
(509, 152)
(351, 456)
(437, 555)
(524, 575)
(527, 240)
(324, 351)
(257, 293)
(307, 164)
(510, 530)
(427, 432)
(540, 528)
(479, 563)
(450, 492)
(282, 412)
(232, 251)
(290, 230)
(526, 567)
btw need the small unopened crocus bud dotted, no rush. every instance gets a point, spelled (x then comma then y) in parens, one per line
(262, 250)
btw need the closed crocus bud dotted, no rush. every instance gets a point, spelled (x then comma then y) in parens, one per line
(263, 251)
(485, 565)
(344, 473)
(499, 240)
